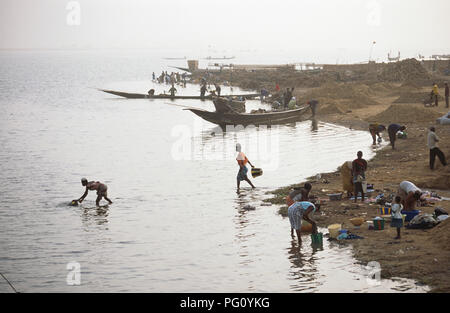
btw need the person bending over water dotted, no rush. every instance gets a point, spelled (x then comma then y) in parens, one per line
(375, 130)
(242, 161)
(102, 190)
(298, 211)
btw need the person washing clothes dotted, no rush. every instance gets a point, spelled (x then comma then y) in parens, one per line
(298, 211)
(410, 194)
(102, 190)
(375, 130)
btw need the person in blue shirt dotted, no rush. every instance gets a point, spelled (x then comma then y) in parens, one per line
(393, 129)
(298, 211)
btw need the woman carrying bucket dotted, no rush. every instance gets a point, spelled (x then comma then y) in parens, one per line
(298, 211)
(242, 161)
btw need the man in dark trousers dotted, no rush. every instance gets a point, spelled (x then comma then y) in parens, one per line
(446, 95)
(393, 129)
(203, 90)
(217, 89)
(359, 167)
(313, 104)
(434, 150)
(436, 94)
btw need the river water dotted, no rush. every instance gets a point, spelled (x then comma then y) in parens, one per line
(177, 223)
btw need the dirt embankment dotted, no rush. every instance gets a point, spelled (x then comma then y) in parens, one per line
(423, 255)
(354, 97)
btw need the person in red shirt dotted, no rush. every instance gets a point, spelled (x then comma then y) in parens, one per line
(277, 87)
(359, 167)
(242, 162)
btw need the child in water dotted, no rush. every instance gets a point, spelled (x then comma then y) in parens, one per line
(397, 219)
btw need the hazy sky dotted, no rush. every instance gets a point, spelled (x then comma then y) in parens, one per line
(325, 27)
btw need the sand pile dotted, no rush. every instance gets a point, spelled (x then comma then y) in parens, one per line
(353, 95)
(331, 109)
(402, 113)
(410, 84)
(412, 97)
(441, 234)
(409, 70)
(381, 87)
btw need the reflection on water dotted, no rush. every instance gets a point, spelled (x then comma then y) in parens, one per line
(314, 125)
(95, 215)
(177, 224)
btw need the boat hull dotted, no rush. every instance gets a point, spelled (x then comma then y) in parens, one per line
(246, 119)
(129, 95)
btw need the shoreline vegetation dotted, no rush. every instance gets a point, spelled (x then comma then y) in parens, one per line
(354, 96)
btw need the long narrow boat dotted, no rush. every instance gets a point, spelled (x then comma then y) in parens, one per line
(271, 118)
(146, 96)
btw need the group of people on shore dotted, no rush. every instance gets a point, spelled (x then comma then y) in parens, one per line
(393, 129)
(170, 79)
(434, 95)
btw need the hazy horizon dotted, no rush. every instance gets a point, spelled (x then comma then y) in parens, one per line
(321, 31)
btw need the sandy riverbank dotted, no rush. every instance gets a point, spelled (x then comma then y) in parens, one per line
(393, 94)
(423, 255)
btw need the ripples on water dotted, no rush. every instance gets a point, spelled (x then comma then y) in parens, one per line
(176, 224)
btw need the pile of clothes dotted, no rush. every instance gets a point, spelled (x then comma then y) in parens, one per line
(426, 221)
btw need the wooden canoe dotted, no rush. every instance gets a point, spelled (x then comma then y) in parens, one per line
(245, 119)
(146, 96)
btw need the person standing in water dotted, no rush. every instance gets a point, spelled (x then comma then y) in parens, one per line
(102, 190)
(217, 89)
(313, 104)
(172, 90)
(242, 162)
(298, 211)
(203, 90)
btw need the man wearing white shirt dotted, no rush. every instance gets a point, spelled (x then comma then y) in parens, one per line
(433, 139)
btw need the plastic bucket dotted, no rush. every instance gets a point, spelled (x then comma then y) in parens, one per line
(256, 172)
(334, 230)
(364, 186)
(378, 224)
(317, 239)
(410, 214)
(385, 211)
(306, 227)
